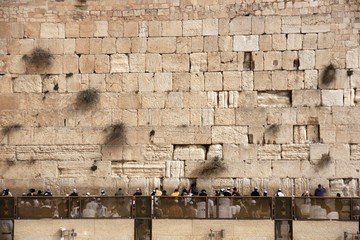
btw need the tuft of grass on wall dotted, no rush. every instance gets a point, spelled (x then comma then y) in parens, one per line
(328, 75)
(116, 134)
(88, 97)
(9, 128)
(213, 167)
(39, 58)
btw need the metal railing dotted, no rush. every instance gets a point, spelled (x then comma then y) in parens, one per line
(195, 207)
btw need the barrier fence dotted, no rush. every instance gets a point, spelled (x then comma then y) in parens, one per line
(162, 207)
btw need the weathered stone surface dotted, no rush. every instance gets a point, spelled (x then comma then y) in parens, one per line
(237, 135)
(28, 84)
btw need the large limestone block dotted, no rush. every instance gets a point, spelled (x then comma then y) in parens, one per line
(171, 28)
(269, 152)
(197, 100)
(323, 58)
(306, 59)
(294, 41)
(175, 117)
(310, 41)
(144, 169)
(215, 151)
(246, 43)
(312, 169)
(153, 63)
(82, 46)
(119, 63)
(272, 24)
(242, 152)
(326, 40)
(174, 100)
(102, 64)
(192, 27)
(52, 30)
(265, 43)
(198, 62)
(163, 82)
(279, 80)
(240, 25)
(232, 80)
(306, 98)
(123, 45)
(12, 64)
(71, 64)
(345, 115)
(332, 97)
(224, 134)
(108, 45)
(174, 169)
(225, 43)
(152, 100)
(183, 45)
(311, 79)
(197, 44)
(279, 134)
(213, 81)
(262, 80)
(161, 44)
(317, 151)
(229, 61)
(115, 29)
(274, 99)
(279, 42)
(247, 82)
(146, 82)
(12, 29)
(352, 58)
(257, 25)
(87, 63)
(101, 29)
(211, 43)
(191, 152)
(291, 24)
(290, 167)
(131, 29)
(154, 28)
(272, 60)
(176, 63)
(254, 169)
(137, 62)
(210, 27)
(295, 151)
(342, 152)
(224, 117)
(28, 84)
(250, 116)
(139, 45)
(315, 23)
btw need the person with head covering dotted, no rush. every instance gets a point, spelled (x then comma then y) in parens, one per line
(137, 192)
(255, 193)
(279, 193)
(74, 193)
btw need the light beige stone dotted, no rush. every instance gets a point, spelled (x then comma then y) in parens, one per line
(279, 42)
(192, 27)
(213, 81)
(162, 45)
(52, 30)
(306, 98)
(171, 28)
(198, 62)
(262, 80)
(119, 63)
(240, 25)
(210, 27)
(307, 59)
(176, 62)
(131, 29)
(229, 134)
(246, 43)
(272, 24)
(310, 41)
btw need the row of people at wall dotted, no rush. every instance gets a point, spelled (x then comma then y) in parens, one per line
(193, 191)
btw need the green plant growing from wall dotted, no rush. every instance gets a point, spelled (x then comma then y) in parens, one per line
(6, 130)
(87, 98)
(39, 58)
(116, 134)
(324, 160)
(213, 167)
(328, 75)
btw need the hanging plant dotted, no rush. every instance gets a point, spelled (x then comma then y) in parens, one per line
(116, 134)
(39, 58)
(88, 97)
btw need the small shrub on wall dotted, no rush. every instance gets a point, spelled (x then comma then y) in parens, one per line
(87, 98)
(116, 134)
(39, 58)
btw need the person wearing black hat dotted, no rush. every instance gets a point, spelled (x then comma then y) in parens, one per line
(255, 193)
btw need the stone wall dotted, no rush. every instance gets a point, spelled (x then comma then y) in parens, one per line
(268, 88)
